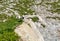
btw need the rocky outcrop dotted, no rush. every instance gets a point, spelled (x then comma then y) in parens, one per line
(27, 33)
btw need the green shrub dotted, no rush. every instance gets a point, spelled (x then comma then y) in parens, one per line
(8, 36)
(7, 29)
(35, 19)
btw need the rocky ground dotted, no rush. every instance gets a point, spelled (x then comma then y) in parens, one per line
(50, 31)
(27, 33)
(48, 12)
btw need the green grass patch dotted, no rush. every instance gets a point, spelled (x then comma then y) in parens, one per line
(35, 19)
(7, 29)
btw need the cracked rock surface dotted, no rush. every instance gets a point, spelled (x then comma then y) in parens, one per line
(52, 29)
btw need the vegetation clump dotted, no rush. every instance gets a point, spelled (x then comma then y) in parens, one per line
(54, 17)
(43, 25)
(35, 19)
(23, 7)
(7, 29)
